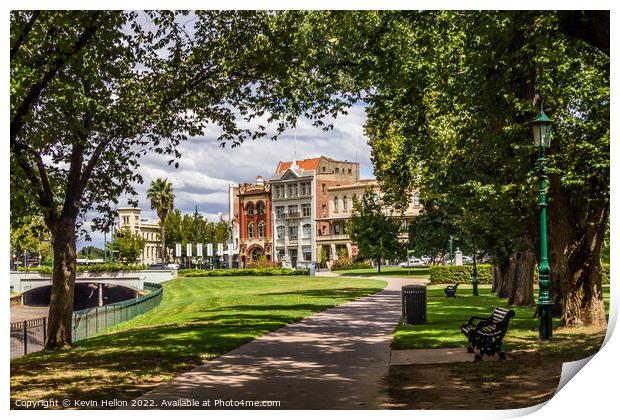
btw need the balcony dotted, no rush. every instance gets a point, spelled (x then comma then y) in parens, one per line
(290, 215)
(333, 237)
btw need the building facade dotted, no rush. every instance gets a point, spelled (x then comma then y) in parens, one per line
(254, 220)
(299, 193)
(130, 217)
(333, 240)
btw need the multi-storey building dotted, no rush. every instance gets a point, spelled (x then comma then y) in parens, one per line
(300, 197)
(254, 221)
(333, 239)
(129, 217)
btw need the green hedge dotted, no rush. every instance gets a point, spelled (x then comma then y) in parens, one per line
(442, 274)
(94, 268)
(605, 267)
(271, 271)
(347, 264)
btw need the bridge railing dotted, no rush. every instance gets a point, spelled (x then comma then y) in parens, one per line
(89, 322)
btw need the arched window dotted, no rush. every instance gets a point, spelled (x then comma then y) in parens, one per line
(260, 208)
(261, 230)
(416, 199)
(335, 203)
(305, 230)
(249, 208)
(345, 202)
(251, 230)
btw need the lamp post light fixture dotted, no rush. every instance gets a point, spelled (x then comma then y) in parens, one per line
(541, 127)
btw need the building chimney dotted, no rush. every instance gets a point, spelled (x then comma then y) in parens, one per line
(259, 180)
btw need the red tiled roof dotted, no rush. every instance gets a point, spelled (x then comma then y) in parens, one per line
(306, 164)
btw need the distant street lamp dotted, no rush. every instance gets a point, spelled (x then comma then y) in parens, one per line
(474, 276)
(541, 127)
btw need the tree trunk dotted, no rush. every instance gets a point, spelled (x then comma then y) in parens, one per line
(576, 236)
(502, 277)
(63, 282)
(521, 291)
(379, 265)
(163, 243)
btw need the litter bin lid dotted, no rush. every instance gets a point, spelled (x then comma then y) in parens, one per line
(414, 287)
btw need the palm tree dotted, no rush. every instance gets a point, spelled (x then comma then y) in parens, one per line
(162, 201)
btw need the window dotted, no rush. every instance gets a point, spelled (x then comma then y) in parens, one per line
(292, 209)
(307, 254)
(260, 208)
(336, 229)
(292, 190)
(261, 230)
(375, 197)
(305, 210)
(349, 171)
(251, 230)
(292, 232)
(304, 189)
(280, 232)
(280, 211)
(323, 189)
(345, 202)
(324, 210)
(403, 225)
(324, 169)
(279, 191)
(305, 230)
(323, 229)
(249, 208)
(416, 199)
(335, 203)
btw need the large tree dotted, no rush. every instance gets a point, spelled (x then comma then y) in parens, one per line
(454, 91)
(162, 201)
(93, 91)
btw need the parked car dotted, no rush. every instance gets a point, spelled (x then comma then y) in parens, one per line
(173, 266)
(412, 262)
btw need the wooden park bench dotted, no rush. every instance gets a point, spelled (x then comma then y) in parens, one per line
(450, 291)
(487, 334)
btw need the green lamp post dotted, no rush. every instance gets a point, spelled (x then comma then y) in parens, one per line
(541, 127)
(474, 276)
(451, 253)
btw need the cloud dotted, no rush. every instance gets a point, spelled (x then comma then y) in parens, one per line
(206, 169)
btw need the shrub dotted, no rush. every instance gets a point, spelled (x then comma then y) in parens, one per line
(441, 274)
(349, 264)
(95, 268)
(605, 269)
(263, 263)
(269, 271)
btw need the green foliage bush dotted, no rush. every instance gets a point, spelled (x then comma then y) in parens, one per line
(94, 268)
(349, 264)
(267, 271)
(441, 274)
(605, 267)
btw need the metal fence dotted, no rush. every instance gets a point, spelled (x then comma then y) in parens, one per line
(89, 322)
(29, 336)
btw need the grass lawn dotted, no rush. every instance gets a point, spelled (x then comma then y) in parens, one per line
(413, 272)
(198, 319)
(530, 375)
(445, 316)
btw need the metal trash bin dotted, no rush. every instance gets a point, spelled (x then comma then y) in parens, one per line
(414, 304)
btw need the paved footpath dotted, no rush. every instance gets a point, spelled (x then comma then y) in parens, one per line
(335, 359)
